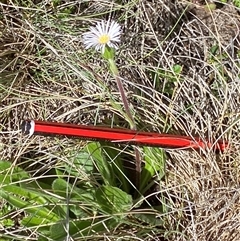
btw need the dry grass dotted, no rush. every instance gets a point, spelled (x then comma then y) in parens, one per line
(46, 74)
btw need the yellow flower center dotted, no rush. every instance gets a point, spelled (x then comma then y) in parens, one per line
(103, 39)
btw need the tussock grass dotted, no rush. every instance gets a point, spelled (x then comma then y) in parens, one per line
(45, 73)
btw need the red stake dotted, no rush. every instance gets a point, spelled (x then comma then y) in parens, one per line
(118, 135)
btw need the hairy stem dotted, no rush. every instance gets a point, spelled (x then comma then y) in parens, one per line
(129, 114)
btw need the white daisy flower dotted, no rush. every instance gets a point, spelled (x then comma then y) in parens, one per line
(104, 33)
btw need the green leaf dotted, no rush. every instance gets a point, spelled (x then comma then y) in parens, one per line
(7, 222)
(177, 69)
(113, 156)
(58, 231)
(25, 194)
(9, 173)
(80, 163)
(35, 221)
(76, 195)
(22, 192)
(113, 200)
(214, 49)
(42, 212)
(65, 189)
(154, 164)
(149, 218)
(12, 182)
(102, 165)
(81, 228)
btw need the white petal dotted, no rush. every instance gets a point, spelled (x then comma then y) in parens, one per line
(110, 28)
